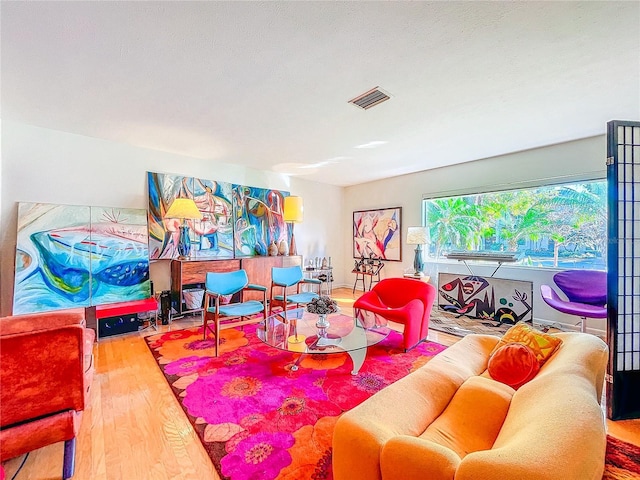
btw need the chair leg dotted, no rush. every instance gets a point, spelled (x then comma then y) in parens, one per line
(69, 461)
(217, 322)
(204, 324)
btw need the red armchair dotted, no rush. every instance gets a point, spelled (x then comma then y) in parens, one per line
(402, 300)
(46, 367)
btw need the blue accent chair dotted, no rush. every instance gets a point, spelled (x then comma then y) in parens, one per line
(230, 315)
(282, 280)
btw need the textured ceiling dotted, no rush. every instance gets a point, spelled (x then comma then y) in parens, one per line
(266, 85)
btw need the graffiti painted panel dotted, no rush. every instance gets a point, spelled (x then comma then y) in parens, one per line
(487, 298)
(258, 219)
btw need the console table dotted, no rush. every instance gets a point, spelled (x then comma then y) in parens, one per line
(185, 273)
(499, 257)
(367, 267)
(325, 275)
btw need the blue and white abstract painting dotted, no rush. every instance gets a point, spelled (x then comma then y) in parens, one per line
(77, 256)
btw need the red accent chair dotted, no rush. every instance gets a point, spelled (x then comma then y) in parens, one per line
(46, 368)
(402, 300)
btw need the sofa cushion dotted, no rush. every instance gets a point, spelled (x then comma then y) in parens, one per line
(473, 418)
(543, 344)
(513, 364)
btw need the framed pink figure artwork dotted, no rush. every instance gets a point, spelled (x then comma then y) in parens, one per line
(378, 234)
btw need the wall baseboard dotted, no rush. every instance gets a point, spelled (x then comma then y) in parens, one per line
(566, 327)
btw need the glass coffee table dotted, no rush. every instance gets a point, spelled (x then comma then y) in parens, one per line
(296, 331)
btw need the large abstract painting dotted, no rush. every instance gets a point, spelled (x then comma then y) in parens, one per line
(487, 298)
(75, 256)
(258, 219)
(211, 237)
(377, 234)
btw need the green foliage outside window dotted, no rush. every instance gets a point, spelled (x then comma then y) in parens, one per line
(553, 226)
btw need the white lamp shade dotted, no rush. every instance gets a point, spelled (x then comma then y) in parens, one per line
(183, 208)
(293, 210)
(417, 235)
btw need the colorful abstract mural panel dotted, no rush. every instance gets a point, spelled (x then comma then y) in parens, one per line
(215, 230)
(120, 255)
(163, 233)
(77, 256)
(487, 298)
(258, 219)
(211, 237)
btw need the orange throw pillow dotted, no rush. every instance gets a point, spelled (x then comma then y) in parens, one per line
(543, 344)
(513, 364)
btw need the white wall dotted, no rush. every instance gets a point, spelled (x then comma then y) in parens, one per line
(42, 165)
(577, 160)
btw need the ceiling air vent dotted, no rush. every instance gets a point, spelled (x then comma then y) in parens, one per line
(370, 99)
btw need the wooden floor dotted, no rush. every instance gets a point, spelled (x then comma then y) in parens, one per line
(136, 430)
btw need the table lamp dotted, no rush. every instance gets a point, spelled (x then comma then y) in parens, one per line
(293, 211)
(417, 236)
(184, 208)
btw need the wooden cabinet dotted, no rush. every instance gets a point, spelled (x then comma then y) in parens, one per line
(193, 272)
(259, 272)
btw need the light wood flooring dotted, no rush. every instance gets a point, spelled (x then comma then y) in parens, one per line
(136, 430)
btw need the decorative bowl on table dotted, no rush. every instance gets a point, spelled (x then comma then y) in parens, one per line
(322, 306)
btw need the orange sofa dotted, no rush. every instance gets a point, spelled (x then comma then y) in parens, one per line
(46, 367)
(449, 419)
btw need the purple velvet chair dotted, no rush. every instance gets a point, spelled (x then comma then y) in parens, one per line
(586, 291)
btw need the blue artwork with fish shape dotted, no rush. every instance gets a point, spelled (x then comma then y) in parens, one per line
(78, 256)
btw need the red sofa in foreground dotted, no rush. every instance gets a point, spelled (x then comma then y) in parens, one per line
(46, 368)
(405, 301)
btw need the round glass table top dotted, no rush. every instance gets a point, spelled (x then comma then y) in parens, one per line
(297, 330)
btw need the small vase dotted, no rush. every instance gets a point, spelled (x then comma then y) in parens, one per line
(322, 321)
(283, 248)
(273, 249)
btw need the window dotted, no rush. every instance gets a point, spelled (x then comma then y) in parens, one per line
(560, 226)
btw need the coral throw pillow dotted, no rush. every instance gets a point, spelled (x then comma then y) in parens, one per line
(513, 364)
(543, 344)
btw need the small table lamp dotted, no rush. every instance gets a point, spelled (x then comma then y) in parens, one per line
(417, 236)
(293, 212)
(184, 208)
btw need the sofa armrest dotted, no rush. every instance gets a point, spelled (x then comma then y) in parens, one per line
(41, 321)
(411, 458)
(43, 373)
(363, 431)
(555, 412)
(407, 407)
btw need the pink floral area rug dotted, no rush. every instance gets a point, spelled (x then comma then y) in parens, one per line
(258, 419)
(622, 460)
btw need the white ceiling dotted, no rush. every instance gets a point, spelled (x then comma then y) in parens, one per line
(266, 85)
